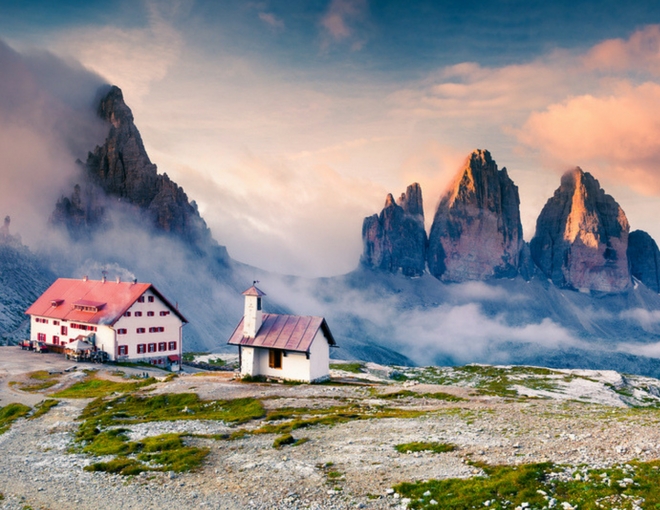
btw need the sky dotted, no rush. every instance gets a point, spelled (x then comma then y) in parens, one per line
(289, 122)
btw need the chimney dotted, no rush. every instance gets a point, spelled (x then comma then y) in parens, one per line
(253, 315)
(104, 277)
(118, 279)
(85, 278)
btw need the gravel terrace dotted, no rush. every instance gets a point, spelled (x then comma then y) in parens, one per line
(37, 471)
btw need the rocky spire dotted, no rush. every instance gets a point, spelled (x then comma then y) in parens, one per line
(582, 237)
(396, 240)
(644, 258)
(121, 169)
(476, 232)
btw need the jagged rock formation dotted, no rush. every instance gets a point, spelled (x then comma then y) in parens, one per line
(644, 258)
(121, 169)
(582, 237)
(396, 240)
(476, 232)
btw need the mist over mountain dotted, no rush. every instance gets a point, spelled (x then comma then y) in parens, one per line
(469, 291)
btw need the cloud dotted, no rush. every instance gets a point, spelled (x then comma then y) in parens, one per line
(133, 58)
(47, 121)
(616, 135)
(338, 22)
(640, 52)
(271, 20)
(469, 91)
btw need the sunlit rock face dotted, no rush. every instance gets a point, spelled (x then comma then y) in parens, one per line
(395, 240)
(476, 232)
(644, 258)
(582, 237)
(121, 169)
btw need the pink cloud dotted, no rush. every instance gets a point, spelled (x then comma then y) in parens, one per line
(617, 134)
(340, 17)
(270, 19)
(641, 52)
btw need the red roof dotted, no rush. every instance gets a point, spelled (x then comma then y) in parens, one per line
(287, 332)
(114, 297)
(254, 291)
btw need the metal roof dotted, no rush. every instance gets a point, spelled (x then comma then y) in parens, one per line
(286, 332)
(254, 291)
(58, 301)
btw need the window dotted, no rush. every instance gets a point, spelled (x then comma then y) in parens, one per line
(258, 303)
(152, 347)
(121, 331)
(127, 314)
(41, 337)
(138, 314)
(164, 314)
(56, 323)
(162, 346)
(274, 358)
(141, 299)
(142, 348)
(56, 340)
(40, 320)
(150, 314)
(123, 350)
(150, 299)
(156, 330)
(140, 330)
(64, 331)
(172, 346)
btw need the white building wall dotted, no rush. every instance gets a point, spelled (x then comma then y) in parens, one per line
(319, 357)
(247, 361)
(171, 323)
(108, 341)
(253, 316)
(295, 365)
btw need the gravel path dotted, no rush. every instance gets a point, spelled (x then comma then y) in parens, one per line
(37, 470)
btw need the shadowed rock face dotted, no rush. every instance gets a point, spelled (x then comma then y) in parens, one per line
(476, 232)
(121, 169)
(582, 237)
(644, 258)
(396, 240)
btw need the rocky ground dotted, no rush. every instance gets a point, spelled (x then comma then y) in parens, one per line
(568, 418)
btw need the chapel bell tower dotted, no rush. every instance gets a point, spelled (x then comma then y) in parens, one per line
(252, 316)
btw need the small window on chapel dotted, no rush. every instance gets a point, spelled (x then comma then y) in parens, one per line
(258, 303)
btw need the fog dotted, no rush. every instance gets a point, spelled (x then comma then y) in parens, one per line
(47, 121)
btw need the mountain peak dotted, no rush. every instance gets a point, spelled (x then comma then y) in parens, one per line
(476, 232)
(121, 169)
(582, 236)
(395, 240)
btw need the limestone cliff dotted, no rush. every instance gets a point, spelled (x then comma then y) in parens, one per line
(582, 237)
(644, 258)
(396, 240)
(476, 232)
(122, 170)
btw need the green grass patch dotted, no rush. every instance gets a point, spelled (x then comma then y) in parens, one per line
(425, 447)
(283, 440)
(10, 413)
(190, 356)
(354, 368)
(93, 387)
(100, 432)
(447, 397)
(43, 407)
(38, 381)
(542, 485)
